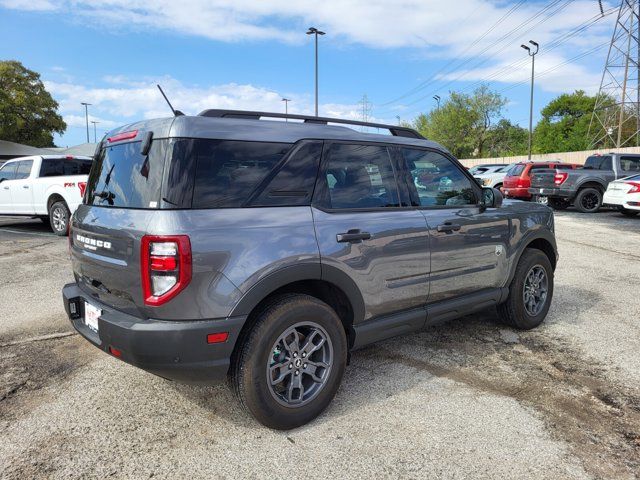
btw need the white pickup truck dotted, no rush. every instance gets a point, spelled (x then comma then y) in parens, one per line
(49, 187)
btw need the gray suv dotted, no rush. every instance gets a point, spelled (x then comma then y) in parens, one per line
(237, 245)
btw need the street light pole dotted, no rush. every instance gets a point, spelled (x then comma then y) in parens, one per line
(532, 53)
(86, 117)
(286, 107)
(95, 136)
(437, 99)
(316, 32)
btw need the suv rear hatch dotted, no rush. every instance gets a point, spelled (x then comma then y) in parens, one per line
(123, 194)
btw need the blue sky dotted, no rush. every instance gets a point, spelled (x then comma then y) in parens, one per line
(249, 54)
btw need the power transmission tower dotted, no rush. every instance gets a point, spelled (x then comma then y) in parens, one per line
(365, 104)
(615, 121)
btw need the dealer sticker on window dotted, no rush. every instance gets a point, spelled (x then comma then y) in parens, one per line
(91, 315)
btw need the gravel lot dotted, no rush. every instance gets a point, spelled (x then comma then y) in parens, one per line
(469, 399)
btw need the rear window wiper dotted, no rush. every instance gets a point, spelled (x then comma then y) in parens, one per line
(105, 196)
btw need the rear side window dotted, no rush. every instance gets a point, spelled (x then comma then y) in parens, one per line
(54, 167)
(227, 172)
(516, 170)
(8, 171)
(23, 169)
(292, 185)
(359, 176)
(123, 177)
(598, 162)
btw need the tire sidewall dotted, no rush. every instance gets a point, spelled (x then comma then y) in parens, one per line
(60, 206)
(256, 391)
(529, 259)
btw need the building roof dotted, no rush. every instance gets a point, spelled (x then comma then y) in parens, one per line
(12, 150)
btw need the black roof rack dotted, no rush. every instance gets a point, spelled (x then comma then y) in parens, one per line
(395, 130)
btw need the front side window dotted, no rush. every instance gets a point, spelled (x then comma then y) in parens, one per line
(630, 164)
(8, 171)
(23, 169)
(436, 180)
(359, 176)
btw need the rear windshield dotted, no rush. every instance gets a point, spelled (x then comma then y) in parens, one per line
(598, 162)
(516, 170)
(55, 167)
(123, 177)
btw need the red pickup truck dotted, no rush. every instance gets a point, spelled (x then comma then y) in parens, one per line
(518, 179)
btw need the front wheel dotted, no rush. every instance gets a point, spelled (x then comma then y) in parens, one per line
(289, 367)
(530, 292)
(59, 216)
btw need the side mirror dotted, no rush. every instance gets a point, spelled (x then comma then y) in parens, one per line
(2, 180)
(491, 197)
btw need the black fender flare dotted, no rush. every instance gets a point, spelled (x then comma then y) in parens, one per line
(584, 181)
(295, 273)
(542, 234)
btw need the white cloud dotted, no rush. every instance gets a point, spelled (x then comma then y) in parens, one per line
(32, 5)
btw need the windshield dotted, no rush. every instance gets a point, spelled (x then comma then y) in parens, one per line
(122, 177)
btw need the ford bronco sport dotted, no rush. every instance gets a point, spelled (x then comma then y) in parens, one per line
(225, 245)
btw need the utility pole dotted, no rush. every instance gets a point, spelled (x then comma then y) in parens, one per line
(95, 136)
(316, 32)
(286, 107)
(366, 108)
(86, 117)
(532, 53)
(618, 100)
(437, 99)
(398, 117)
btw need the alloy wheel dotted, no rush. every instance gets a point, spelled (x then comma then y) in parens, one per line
(535, 290)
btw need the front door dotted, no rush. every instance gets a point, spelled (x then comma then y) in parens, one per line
(362, 229)
(467, 242)
(7, 174)
(22, 189)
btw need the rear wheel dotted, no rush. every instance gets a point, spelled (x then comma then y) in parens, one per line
(559, 203)
(289, 367)
(59, 216)
(627, 212)
(588, 200)
(530, 292)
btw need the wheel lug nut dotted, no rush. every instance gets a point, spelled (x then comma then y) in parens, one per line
(304, 365)
(290, 366)
(304, 355)
(295, 354)
(297, 372)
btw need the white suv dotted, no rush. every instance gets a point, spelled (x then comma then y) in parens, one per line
(49, 187)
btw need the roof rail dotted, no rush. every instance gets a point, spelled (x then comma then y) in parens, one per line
(395, 130)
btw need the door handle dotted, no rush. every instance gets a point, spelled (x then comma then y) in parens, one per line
(25, 186)
(6, 188)
(448, 227)
(353, 236)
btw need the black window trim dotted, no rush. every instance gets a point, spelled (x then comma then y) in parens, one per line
(477, 189)
(321, 190)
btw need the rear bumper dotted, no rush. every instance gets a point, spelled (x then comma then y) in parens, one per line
(516, 192)
(553, 192)
(176, 350)
(630, 202)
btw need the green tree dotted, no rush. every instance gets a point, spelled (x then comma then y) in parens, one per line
(507, 139)
(564, 124)
(28, 113)
(464, 123)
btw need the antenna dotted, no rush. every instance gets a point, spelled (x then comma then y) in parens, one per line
(176, 113)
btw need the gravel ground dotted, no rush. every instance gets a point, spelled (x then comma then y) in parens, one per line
(466, 399)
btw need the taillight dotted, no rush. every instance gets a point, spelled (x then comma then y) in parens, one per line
(166, 267)
(635, 187)
(123, 136)
(523, 183)
(82, 186)
(560, 177)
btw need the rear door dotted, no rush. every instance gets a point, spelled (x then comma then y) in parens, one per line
(468, 243)
(363, 229)
(22, 189)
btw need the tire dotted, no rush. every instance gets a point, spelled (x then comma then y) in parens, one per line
(588, 200)
(559, 203)
(541, 199)
(627, 212)
(59, 217)
(270, 342)
(514, 312)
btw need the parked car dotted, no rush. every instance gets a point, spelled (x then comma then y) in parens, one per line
(517, 181)
(624, 194)
(493, 177)
(584, 187)
(49, 187)
(485, 168)
(223, 245)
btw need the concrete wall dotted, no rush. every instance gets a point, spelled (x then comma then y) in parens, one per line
(567, 157)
